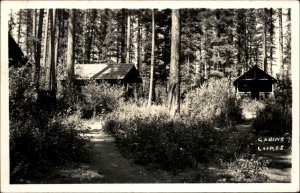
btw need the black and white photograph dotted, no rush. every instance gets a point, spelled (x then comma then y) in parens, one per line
(149, 93)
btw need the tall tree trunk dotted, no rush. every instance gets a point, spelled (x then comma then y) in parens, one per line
(50, 76)
(174, 81)
(70, 47)
(152, 88)
(118, 45)
(53, 53)
(123, 51)
(138, 60)
(19, 27)
(38, 49)
(280, 42)
(84, 37)
(136, 86)
(271, 41)
(288, 45)
(128, 37)
(46, 48)
(34, 35)
(265, 62)
(57, 34)
(27, 32)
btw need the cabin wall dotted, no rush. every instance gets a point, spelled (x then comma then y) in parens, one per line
(254, 88)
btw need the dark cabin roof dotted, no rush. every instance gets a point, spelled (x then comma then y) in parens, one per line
(15, 53)
(106, 71)
(254, 73)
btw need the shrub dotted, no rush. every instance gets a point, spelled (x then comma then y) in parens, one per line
(150, 135)
(213, 102)
(39, 137)
(247, 169)
(276, 117)
(252, 105)
(100, 98)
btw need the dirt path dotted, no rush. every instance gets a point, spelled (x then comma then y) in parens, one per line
(279, 169)
(109, 166)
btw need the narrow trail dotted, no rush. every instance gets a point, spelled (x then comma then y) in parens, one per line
(110, 166)
(110, 163)
(279, 169)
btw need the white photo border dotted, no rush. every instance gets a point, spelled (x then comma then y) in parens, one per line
(205, 187)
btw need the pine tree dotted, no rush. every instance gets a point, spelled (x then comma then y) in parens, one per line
(70, 46)
(174, 80)
(38, 49)
(152, 87)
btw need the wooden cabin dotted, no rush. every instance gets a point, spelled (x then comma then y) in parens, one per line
(254, 83)
(15, 54)
(112, 73)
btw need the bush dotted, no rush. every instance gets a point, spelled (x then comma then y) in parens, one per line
(276, 117)
(212, 102)
(40, 136)
(150, 135)
(100, 98)
(247, 170)
(252, 105)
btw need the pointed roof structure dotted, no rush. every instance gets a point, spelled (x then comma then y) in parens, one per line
(107, 71)
(255, 73)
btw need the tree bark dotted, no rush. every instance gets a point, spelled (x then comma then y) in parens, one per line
(174, 81)
(38, 49)
(123, 51)
(138, 60)
(52, 55)
(34, 35)
(136, 86)
(70, 46)
(271, 41)
(46, 45)
(50, 76)
(27, 31)
(84, 37)
(19, 27)
(128, 37)
(152, 89)
(280, 43)
(57, 34)
(265, 62)
(288, 45)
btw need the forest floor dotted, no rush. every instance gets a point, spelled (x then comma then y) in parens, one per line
(110, 166)
(279, 169)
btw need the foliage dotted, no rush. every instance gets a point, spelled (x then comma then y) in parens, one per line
(252, 105)
(100, 98)
(276, 117)
(213, 103)
(150, 135)
(39, 135)
(247, 169)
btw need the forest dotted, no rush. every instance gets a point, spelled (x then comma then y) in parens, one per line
(181, 121)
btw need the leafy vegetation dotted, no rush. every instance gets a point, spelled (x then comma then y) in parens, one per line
(39, 136)
(151, 136)
(214, 103)
(205, 45)
(276, 117)
(247, 170)
(100, 98)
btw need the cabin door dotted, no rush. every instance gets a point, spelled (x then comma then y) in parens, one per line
(255, 93)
